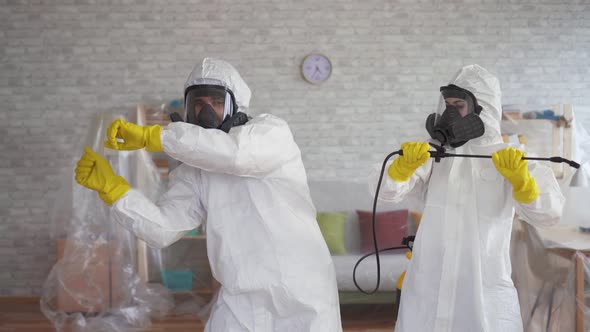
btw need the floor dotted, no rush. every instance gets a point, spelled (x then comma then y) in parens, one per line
(23, 315)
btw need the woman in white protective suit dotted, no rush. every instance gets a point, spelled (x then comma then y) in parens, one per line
(245, 178)
(459, 277)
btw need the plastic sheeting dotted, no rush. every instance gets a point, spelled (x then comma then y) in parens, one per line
(548, 264)
(94, 285)
(183, 267)
(545, 274)
(577, 197)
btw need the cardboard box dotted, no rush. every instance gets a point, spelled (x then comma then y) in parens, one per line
(93, 289)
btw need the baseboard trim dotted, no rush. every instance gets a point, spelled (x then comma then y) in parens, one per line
(19, 299)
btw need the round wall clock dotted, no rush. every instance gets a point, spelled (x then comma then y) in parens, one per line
(316, 68)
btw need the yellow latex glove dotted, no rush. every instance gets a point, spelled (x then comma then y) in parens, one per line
(415, 154)
(94, 172)
(510, 164)
(134, 136)
(400, 280)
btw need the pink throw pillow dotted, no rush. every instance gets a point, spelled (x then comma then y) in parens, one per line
(392, 227)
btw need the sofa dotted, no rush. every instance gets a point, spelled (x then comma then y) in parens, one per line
(347, 198)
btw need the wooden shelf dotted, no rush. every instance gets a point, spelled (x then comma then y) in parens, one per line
(195, 237)
(195, 291)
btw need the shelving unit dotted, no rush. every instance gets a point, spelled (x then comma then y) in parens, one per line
(559, 130)
(196, 257)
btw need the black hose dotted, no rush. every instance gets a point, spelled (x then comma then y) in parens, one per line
(376, 252)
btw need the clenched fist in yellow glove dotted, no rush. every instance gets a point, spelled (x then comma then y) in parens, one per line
(415, 154)
(134, 136)
(94, 172)
(510, 164)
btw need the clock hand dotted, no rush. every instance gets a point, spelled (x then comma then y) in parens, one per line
(317, 70)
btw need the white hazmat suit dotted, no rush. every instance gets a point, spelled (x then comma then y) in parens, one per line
(459, 277)
(264, 244)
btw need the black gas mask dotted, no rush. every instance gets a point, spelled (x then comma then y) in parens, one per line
(211, 107)
(460, 120)
(206, 117)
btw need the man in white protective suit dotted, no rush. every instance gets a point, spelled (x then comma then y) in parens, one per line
(245, 178)
(459, 277)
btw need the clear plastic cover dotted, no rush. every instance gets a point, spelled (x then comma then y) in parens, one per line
(183, 267)
(94, 285)
(577, 193)
(550, 280)
(549, 267)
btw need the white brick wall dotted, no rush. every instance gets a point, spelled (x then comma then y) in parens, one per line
(60, 61)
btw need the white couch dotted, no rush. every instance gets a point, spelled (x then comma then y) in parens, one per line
(331, 196)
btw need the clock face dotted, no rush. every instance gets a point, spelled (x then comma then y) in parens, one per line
(316, 68)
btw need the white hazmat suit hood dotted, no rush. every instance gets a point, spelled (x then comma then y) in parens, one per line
(486, 89)
(209, 97)
(263, 242)
(218, 72)
(459, 277)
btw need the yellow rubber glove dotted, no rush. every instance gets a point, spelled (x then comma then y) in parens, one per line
(510, 164)
(400, 280)
(415, 154)
(94, 172)
(134, 136)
